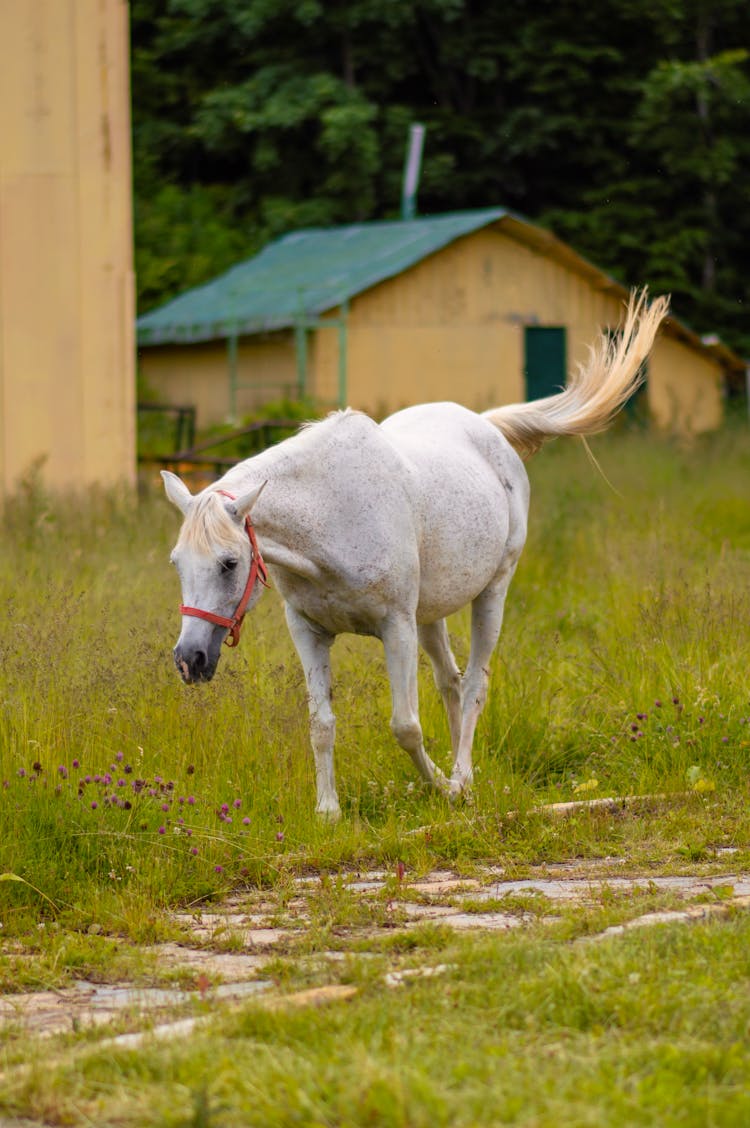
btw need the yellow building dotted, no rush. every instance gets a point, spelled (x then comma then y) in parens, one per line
(67, 349)
(481, 307)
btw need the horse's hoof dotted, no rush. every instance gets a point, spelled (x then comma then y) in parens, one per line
(329, 814)
(453, 790)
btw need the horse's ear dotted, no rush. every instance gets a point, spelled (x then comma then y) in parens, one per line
(242, 506)
(177, 491)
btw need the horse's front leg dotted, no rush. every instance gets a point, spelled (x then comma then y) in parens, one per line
(314, 649)
(400, 642)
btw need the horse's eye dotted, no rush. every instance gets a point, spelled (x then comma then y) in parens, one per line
(228, 565)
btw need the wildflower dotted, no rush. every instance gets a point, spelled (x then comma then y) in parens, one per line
(165, 806)
(127, 769)
(62, 771)
(37, 767)
(119, 757)
(657, 704)
(21, 773)
(94, 805)
(162, 830)
(237, 803)
(190, 769)
(191, 800)
(642, 716)
(224, 808)
(279, 835)
(194, 850)
(246, 821)
(218, 869)
(76, 764)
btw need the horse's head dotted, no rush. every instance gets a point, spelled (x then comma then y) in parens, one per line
(218, 562)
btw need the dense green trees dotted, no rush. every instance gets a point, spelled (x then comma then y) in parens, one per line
(624, 124)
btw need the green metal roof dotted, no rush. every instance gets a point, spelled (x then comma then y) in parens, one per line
(303, 274)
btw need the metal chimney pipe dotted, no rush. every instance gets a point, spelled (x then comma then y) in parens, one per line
(412, 169)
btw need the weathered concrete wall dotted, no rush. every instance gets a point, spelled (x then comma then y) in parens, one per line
(67, 387)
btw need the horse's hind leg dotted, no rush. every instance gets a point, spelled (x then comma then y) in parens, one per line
(314, 649)
(401, 648)
(435, 643)
(486, 622)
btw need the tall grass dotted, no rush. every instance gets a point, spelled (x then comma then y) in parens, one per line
(622, 668)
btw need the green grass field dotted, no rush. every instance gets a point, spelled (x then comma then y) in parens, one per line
(622, 670)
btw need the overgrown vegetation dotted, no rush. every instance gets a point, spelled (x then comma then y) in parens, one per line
(621, 670)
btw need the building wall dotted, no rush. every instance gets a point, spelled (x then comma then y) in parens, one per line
(199, 375)
(685, 389)
(66, 272)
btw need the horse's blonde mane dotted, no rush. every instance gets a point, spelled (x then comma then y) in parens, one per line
(208, 528)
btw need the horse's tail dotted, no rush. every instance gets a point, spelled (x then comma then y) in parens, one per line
(598, 389)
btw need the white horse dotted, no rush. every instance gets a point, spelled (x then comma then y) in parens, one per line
(385, 529)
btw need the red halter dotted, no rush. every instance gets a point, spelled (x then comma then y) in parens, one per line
(258, 570)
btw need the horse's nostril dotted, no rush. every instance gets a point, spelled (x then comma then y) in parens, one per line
(200, 662)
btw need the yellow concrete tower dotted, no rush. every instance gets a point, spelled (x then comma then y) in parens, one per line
(67, 385)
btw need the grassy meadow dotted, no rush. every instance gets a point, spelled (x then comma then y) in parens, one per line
(622, 670)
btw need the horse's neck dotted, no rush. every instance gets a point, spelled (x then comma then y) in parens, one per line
(285, 461)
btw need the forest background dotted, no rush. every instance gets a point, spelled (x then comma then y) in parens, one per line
(624, 125)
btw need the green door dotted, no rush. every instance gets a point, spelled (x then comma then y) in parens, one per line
(545, 365)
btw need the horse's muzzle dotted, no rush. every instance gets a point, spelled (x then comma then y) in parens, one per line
(194, 666)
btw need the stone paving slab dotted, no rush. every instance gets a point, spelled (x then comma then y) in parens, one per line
(436, 897)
